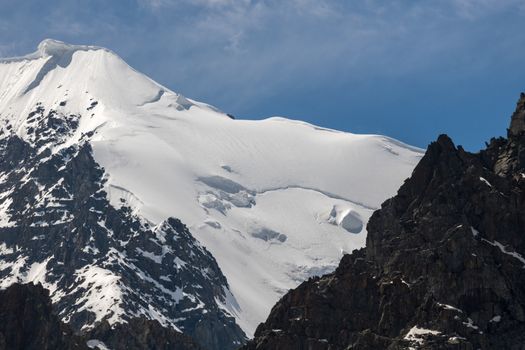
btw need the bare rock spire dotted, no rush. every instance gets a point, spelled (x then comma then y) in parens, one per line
(517, 123)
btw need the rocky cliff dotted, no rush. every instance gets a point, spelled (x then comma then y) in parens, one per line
(139, 334)
(443, 267)
(28, 321)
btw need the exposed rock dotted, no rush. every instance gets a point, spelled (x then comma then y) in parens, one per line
(443, 268)
(27, 321)
(517, 124)
(141, 334)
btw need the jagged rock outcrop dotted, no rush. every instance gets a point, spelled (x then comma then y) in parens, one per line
(27, 321)
(517, 123)
(140, 334)
(443, 267)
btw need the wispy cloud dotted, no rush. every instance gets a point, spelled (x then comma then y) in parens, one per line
(239, 52)
(474, 9)
(268, 43)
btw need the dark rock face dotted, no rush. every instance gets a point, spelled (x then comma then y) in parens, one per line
(443, 268)
(140, 334)
(101, 262)
(27, 321)
(517, 123)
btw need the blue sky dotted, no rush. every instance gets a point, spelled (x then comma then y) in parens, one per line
(407, 69)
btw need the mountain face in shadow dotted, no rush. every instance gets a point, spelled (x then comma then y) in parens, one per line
(28, 321)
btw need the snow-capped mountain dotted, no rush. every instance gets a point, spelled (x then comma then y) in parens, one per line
(274, 201)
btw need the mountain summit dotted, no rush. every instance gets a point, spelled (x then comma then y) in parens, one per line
(51, 47)
(126, 199)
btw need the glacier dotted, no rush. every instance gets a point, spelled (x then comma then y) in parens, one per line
(275, 201)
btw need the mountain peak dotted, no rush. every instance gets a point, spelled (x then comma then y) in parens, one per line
(52, 47)
(79, 76)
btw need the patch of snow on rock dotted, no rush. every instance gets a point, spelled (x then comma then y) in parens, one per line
(417, 334)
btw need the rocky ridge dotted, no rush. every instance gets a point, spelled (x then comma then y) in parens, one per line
(101, 264)
(443, 266)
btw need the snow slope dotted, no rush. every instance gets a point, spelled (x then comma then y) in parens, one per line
(275, 200)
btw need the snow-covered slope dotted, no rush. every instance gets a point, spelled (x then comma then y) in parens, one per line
(274, 201)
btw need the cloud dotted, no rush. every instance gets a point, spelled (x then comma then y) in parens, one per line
(474, 9)
(156, 4)
(238, 52)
